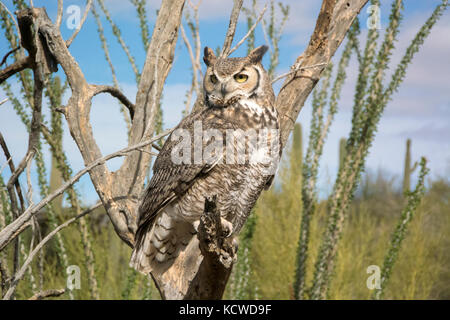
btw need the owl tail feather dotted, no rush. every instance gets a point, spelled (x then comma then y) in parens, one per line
(160, 244)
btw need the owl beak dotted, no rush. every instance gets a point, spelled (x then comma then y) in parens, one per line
(223, 90)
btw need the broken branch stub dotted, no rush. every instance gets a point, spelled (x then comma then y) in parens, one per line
(218, 249)
(30, 21)
(215, 240)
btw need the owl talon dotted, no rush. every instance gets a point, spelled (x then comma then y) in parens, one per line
(227, 227)
(195, 224)
(228, 254)
(235, 244)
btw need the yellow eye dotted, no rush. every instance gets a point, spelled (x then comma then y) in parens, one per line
(213, 78)
(241, 77)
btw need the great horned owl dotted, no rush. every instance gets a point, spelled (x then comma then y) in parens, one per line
(229, 150)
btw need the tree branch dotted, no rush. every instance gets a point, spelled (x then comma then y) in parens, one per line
(115, 92)
(48, 293)
(249, 31)
(335, 19)
(130, 178)
(202, 270)
(8, 54)
(75, 33)
(17, 226)
(18, 276)
(12, 18)
(284, 75)
(33, 137)
(195, 64)
(59, 13)
(219, 251)
(119, 191)
(12, 168)
(231, 28)
(197, 74)
(17, 66)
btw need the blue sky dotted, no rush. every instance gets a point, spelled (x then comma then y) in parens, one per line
(420, 110)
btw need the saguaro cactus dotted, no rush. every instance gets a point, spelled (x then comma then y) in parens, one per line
(408, 170)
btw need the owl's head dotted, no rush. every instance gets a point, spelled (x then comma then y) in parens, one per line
(231, 79)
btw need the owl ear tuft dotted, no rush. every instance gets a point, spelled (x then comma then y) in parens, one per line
(209, 57)
(257, 54)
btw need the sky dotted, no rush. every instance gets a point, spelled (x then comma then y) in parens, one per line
(420, 110)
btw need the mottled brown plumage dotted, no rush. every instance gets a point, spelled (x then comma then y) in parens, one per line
(239, 99)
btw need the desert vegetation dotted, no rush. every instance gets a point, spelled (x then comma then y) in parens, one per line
(298, 243)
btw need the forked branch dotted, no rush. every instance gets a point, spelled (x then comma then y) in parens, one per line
(115, 92)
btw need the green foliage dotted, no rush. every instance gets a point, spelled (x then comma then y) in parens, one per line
(318, 134)
(53, 221)
(278, 211)
(342, 154)
(422, 263)
(421, 270)
(242, 286)
(413, 201)
(130, 283)
(366, 115)
(272, 29)
(55, 97)
(118, 35)
(142, 15)
(114, 277)
(60, 167)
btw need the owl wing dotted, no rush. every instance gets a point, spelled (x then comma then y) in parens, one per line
(171, 180)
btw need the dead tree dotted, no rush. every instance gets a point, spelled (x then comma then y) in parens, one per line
(191, 277)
